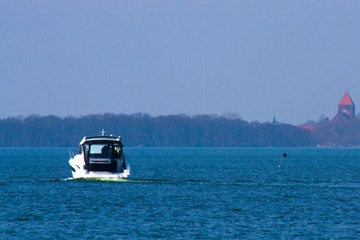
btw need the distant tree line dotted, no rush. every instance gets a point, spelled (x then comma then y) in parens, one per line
(171, 131)
(344, 133)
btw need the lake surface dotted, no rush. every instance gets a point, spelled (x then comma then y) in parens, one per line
(185, 193)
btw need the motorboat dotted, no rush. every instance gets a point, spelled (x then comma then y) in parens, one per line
(99, 157)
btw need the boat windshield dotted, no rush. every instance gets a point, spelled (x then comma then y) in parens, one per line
(99, 150)
(105, 150)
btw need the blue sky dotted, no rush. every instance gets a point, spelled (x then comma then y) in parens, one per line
(291, 59)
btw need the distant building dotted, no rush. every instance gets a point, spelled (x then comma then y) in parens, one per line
(346, 108)
(274, 121)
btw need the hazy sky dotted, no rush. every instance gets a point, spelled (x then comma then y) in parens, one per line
(291, 59)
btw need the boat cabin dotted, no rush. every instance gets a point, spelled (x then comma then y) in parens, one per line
(103, 154)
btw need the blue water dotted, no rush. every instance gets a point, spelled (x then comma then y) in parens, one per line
(185, 193)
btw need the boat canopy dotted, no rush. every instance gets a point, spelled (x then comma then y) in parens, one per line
(100, 139)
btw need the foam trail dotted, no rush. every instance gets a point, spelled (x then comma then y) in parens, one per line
(124, 180)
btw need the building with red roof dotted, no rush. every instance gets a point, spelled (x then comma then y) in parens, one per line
(346, 108)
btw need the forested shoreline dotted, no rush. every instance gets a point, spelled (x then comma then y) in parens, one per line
(173, 131)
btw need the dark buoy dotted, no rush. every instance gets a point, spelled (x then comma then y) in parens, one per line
(283, 156)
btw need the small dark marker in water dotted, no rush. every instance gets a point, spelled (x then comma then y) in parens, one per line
(283, 156)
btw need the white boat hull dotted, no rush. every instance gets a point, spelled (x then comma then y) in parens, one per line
(102, 175)
(78, 171)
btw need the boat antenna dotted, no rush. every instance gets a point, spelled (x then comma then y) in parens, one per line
(103, 132)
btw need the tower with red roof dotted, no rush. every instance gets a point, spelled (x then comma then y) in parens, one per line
(346, 108)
